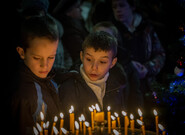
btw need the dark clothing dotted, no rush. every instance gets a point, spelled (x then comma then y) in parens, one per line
(33, 95)
(75, 91)
(144, 46)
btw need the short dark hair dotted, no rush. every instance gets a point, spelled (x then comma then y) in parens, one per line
(38, 26)
(101, 40)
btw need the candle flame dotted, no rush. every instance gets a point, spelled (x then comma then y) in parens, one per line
(72, 108)
(70, 111)
(44, 125)
(87, 124)
(82, 117)
(124, 113)
(39, 127)
(35, 131)
(61, 115)
(155, 112)
(112, 117)
(139, 122)
(55, 130)
(161, 127)
(115, 132)
(93, 107)
(97, 107)
(116, 114)
(41, 116)
(131, 116)
(76, 125)
(90, 109)
(140, 113)
(55, 119)
(47, 124)
(108, 108)
(64, 130)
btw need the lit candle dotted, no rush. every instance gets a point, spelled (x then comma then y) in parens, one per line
(113, 122)
(109, 119)
(77, 127)
(54, 123)
(80, 119)
(156, 122)
(45, 126)
(39, 128)
(99, 116)
(132, 123)
(42, 119)
(92, 118)
(89, 128)
(94, 110)
(118, 119)
(126, 122)
(140, 114)
(162, 129)
(72, 120)
(35, 131)
(84, 127)
(61, 122)
(142, 126)
(55, 130)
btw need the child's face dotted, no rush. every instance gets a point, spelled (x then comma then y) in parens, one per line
(40, 56)
(97, 64)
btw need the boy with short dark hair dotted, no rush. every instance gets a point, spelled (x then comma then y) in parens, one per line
(97, 79)
(35, 91)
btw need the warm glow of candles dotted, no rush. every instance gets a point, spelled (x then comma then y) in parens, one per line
(109, 119)
(113, 122)
(142, 126)
(80, 119)
(84, 128)
(61, 122)
(94, 110)
(92, 118)
(72, 120)
(35, 131)
(77, 128)
(54, 123)
(132, 122)
(89, 128)
(118, 119)
(140, 114)
(99, 116)
(126, 122)
(162, 129)
(45, 127)
(42, 119)
(156, 121)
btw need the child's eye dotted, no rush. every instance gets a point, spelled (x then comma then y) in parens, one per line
(88, 59)
(51, 57)
(103, 62)
(36, 58)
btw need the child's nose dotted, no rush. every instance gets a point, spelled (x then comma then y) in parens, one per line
(94, 66)
(43, 63)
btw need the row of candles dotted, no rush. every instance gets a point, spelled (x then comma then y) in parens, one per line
(96, 116)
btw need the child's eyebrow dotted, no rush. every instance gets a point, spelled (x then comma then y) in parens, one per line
(101, 57)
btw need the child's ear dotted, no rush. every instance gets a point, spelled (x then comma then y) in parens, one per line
(20, 51)
(113, 62)
(81, 56)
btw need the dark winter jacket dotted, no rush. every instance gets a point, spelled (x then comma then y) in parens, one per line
(33, 95)
(74, 91)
